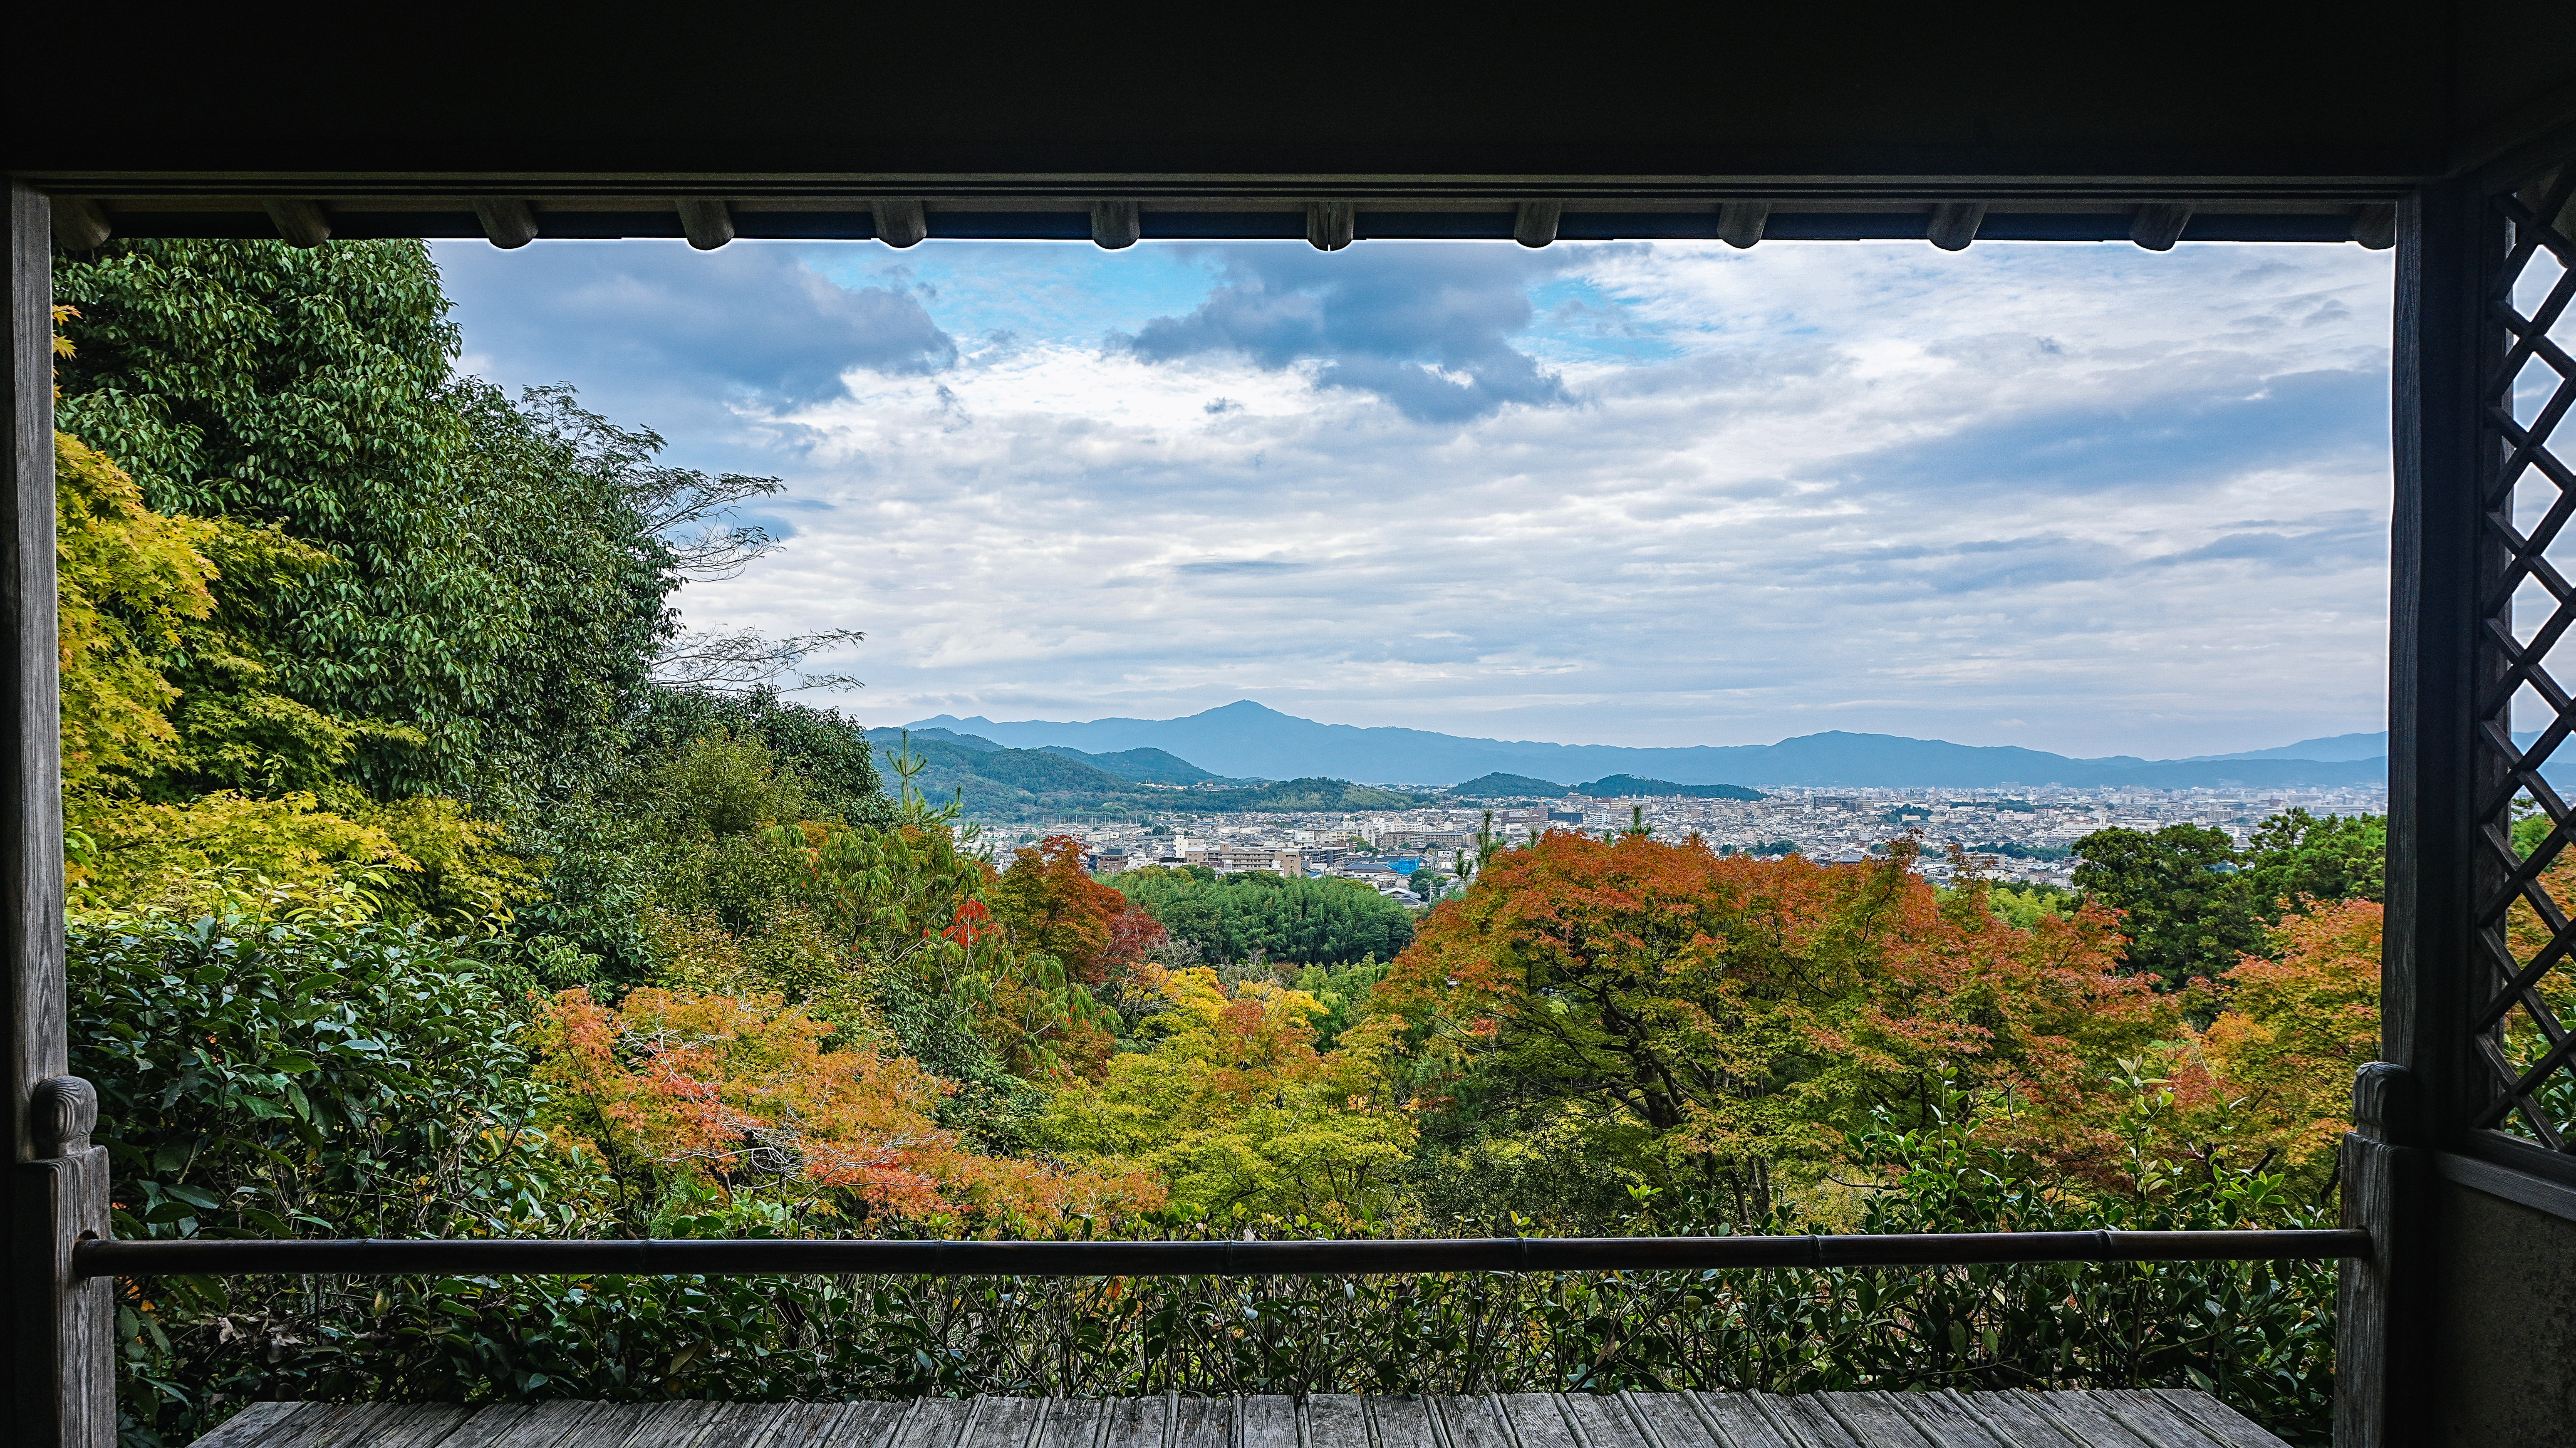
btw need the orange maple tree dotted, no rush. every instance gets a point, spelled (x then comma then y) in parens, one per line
(742, 1094)
(1703, 1018)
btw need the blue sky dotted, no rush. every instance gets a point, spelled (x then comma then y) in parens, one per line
(2083, 498)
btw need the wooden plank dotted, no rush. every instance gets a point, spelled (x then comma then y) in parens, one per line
(2084, 1418)
(1471, 1422)
(855, 1425)
(1537, 1421)
(419, 1425)
(1268, 1420)
(1202, 1423)
(246, 1427)
(2150, 1421)
(935, 1423)
(345, 1423)
(681, 1424)
(482, 1426)
(1600, 1421)
(1878, 1420)
(663, 1425)
(1137, 1422)
(1336, 1420)
(1074, 1423)
(2013, 1418)
(1939, 1419)
(1004, 1423)
(1733, 1421)
(2216, 1423)
(1801, 1422)
(1403, 1422)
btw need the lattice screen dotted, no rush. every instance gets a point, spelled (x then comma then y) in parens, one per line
(2526, 945)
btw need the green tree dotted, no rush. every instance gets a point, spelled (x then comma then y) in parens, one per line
(2296, 856)
(2185, 904)
(1247, 917)
(308, 390)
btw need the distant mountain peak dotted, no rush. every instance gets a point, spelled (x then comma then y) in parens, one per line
(1246, 739)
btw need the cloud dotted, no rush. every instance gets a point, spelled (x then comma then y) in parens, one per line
(749, 319)
(2085, 498)
(1424, 327)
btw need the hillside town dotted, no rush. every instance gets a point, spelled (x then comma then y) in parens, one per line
(2023, 836)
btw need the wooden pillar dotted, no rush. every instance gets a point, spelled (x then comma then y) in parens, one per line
(2419, 1098)
(60, 1393)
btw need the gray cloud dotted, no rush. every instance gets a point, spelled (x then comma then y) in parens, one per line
(1388, 320)
(646, 315)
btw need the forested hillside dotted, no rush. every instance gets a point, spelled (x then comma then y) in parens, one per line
(428, 879)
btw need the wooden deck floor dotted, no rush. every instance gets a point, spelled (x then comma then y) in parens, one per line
(2158, 1419)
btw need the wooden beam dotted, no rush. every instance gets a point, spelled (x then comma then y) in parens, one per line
(508, 223)
(901, 222)
(1740, 223)
(2158, 224)
(1955, 223)
(706, 221)
(32, 1029)
(1330, 225)
(1534, 224)
(1116, 225)
(299, 222)
(79, 224)
(2375, 227)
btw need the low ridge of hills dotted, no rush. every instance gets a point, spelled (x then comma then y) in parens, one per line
(1616, 786)
(1005, 785)
(1245, 740)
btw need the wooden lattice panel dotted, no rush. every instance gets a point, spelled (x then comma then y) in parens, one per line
(2526, 978)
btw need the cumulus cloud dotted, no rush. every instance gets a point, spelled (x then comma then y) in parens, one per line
(1426, 327)
(748, 319)
(2086, 498)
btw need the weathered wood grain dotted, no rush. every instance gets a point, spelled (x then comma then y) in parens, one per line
(1268, 1420)
(2086, 1421)
(1600, 1420)
(857, 1425)
(246, 1426)
(1403, 1422)
(1204, 1423)
(672, 1425)
(1136, 1422)
(1075, 1423)
(2216, 1422)
(1471, 1422)
(1875, 1420)
(341, 1425)
(1336, 1420)
(425, 1425)
(1803, 1421)
(935, 1423)
(1730, 1419)
(2162, 1418)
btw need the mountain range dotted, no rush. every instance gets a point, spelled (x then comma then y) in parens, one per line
(1003, 785)
(1248, 741)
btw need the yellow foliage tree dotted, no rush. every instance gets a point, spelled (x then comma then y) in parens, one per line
(1240, 1116)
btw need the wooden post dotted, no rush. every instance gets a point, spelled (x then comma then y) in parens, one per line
(2381, 1302)
(2440, 568)
(57, 1335)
